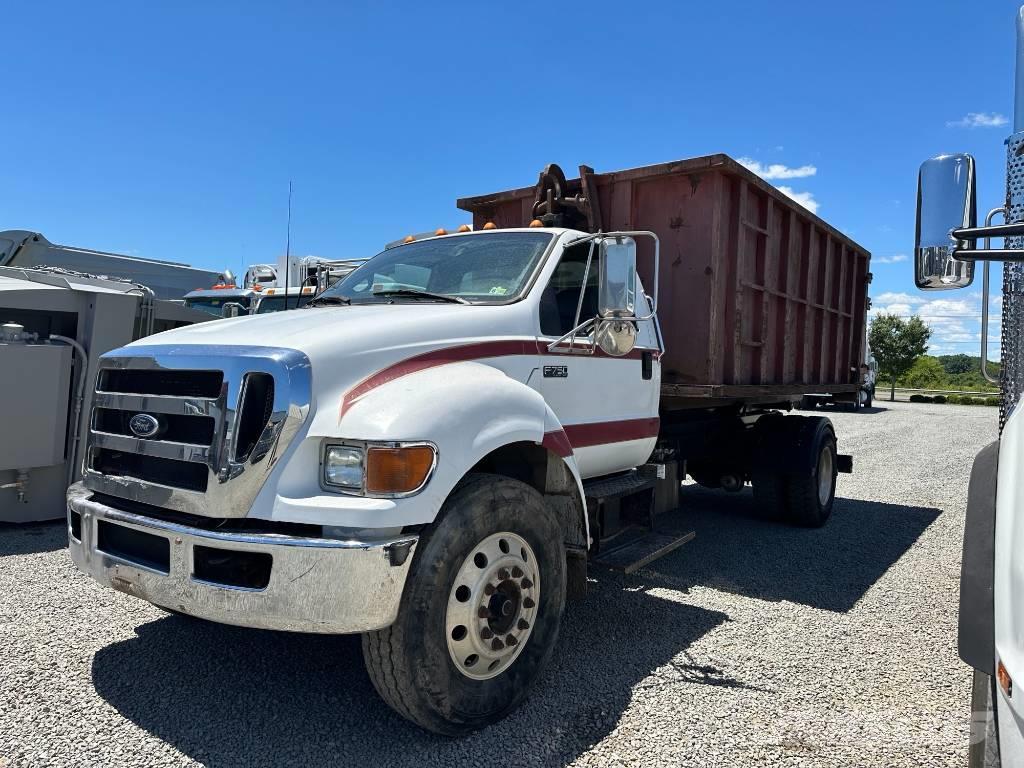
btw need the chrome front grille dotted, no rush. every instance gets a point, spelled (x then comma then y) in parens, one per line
(224, 415)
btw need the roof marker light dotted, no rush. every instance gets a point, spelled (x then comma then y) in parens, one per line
(409, 239)
(465, 228)
(536, 223)
(490, 225)
(441, 231)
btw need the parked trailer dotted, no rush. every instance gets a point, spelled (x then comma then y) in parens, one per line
(432, 451)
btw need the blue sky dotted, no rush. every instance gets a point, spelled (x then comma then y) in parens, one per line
(172, 130)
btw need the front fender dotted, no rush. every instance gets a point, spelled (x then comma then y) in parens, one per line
(467, 409)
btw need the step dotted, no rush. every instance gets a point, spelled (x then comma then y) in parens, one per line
(642, 551)
(618, 486)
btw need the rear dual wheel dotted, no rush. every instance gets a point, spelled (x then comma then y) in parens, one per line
(795, 468)
(480, 616)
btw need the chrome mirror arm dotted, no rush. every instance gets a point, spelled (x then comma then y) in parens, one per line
(984, 300)
(571, 336)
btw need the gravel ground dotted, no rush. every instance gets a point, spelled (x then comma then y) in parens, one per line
(756, 644)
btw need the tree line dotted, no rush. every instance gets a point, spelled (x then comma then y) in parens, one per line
(900, 347)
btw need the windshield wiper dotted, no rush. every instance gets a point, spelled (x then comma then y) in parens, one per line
(327, 300)
(417, 294)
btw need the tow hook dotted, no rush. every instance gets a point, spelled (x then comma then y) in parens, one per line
(398, 552)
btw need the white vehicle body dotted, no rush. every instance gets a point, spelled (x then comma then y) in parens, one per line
(377, 374)
(1008, 581)
(991, 619)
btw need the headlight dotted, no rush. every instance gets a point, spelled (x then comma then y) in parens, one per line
(343, 467)
(383, 469)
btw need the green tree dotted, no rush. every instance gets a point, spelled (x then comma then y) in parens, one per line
(958, 363)
(926, 373)
(896, 343)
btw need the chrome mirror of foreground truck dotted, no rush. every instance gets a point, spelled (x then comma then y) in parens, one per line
(945, 202)
(991, 623)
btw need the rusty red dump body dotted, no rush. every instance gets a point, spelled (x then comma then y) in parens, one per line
(760, 300)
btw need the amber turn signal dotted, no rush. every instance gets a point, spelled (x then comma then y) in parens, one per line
(1004, 679)
(398, 470)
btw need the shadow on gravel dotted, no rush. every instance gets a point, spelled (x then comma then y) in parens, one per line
(32, 538)
(227, 696)
(829, 567)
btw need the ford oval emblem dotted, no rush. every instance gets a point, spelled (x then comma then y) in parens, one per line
(144, 425)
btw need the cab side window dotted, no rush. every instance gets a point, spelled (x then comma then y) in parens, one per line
(562, 294)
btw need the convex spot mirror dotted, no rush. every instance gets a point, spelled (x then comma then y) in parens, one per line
(232, 309)
(616, 306)
(945, 201)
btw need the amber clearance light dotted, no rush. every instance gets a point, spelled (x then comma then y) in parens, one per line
(398, 470)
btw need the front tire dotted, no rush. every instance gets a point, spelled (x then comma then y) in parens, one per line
(481, 612)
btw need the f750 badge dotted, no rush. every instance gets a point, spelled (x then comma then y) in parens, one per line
(556, 371)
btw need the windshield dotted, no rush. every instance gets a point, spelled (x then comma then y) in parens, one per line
(213, 304)
(481, 269)
(277, 303)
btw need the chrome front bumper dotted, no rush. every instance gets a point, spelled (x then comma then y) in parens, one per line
(314, 585)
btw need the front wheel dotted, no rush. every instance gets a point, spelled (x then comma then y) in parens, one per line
(481, 612)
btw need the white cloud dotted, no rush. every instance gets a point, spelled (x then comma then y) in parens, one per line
(806, 199)
(955, 323)
(890, 296)
(777, 170)
(894, 259)
(979, 120)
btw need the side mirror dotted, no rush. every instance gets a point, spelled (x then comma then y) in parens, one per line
(616, 294)
(946, 200)
(232, 309)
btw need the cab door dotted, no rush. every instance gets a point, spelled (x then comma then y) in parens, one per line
(607, 406)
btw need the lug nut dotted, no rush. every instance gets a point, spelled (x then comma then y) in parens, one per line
(526, 583)
(503, 574)
(528, 603)
(489, 589)
(511, 640)
(517, 572)
(522, 624)
(486, 634)
(483, 613)
(496, 644)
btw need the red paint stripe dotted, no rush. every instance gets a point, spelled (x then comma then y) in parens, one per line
(476, 351)
(604, 432)
(435, 357)
(558, 442)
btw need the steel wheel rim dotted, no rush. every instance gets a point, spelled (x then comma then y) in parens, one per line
(824, 476)
(492, 606)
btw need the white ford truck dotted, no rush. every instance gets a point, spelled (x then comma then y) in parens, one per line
(431, 450)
